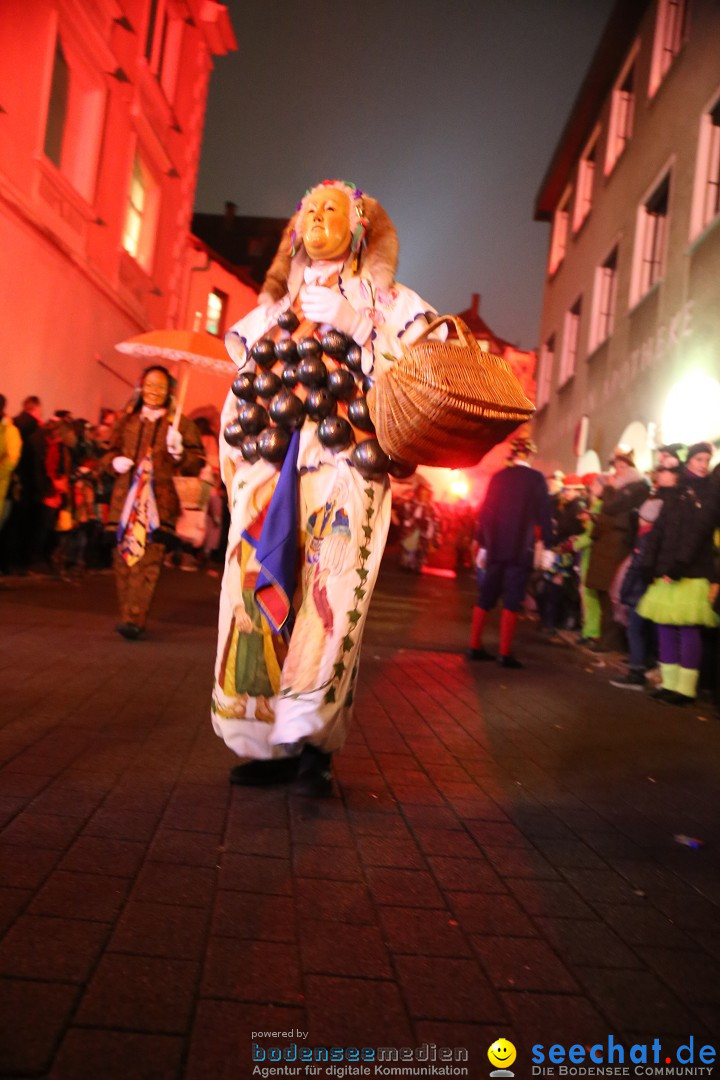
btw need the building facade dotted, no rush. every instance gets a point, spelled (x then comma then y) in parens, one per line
(630, 335)
(102, 107)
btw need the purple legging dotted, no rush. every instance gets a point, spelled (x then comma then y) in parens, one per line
(680, 645)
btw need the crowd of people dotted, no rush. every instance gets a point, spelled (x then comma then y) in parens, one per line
(630, 562)
(427, 530)
(58, 484)
(627, 561)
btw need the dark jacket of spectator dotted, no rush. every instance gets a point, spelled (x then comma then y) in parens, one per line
(613, 534)
(681, 543)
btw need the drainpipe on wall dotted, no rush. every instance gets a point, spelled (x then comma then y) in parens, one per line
(193, 270)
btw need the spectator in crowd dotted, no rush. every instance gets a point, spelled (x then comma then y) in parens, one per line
(556, 584)
(641, 632)
(612, 540)
(57, 521)
(10, 448)
(516, 503)
(671, 456)
(680, 560)
(582, 543)
(25, 522)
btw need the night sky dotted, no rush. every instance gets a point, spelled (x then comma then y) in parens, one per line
(447, 112)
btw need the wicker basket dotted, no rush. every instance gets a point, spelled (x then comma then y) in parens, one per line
(446, 403)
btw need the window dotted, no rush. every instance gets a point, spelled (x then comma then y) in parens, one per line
(585, 181)
(545, 373)
(558, 239)
(141, 215)
(651, 240)
(215, 314)
(75, 116)
(669, 37)
(162, 45)
(706, 198)
(622, 113)
(571, 336)
(604, 297)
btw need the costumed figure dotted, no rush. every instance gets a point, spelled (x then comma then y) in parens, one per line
(308, 487)
(147, 450)
(517, 502)
(418, 529)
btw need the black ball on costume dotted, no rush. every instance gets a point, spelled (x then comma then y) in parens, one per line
(267, 383)
(335, 433)
(248, 448)
(263, 352)
(244, 387)
(334, 344)
(312, 371)
(401, 469)
(359, 415)
(288, 320)
(308, 347)
(341, 383)
(286, 410)
(353, 357)
(370, 459)
(234, 434)
(319, 403)
(286, 350)
(289, 376)
(273, 443)
(252, 417)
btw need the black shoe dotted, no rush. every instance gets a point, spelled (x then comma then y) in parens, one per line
(129, 630)
(661, 694)
(314, 776)
(674, 697)
(634, 680)
(510, 662)
(479, 654)
(262, 773)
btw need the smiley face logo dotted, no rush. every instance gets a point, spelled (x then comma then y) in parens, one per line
(502, 1054)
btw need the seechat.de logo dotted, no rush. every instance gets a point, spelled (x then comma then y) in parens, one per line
(502, 1054)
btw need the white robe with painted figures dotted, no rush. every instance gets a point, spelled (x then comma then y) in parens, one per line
(269, 695)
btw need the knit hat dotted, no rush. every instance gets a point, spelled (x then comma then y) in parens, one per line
(572, 480)
(589, 478)
(699, 448)
(675, 449)
(622, 453)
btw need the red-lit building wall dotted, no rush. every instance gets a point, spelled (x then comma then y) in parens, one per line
(93, 97)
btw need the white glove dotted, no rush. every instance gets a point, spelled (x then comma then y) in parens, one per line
(122, 464)
(174, 443)
(323, 305)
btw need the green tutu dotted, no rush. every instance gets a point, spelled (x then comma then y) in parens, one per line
(678, 603)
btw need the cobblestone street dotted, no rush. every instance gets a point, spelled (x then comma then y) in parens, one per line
(500, 859)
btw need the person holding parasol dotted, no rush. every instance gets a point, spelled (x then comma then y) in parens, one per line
(151, 444)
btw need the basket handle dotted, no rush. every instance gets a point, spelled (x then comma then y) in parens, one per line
(461, 329)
